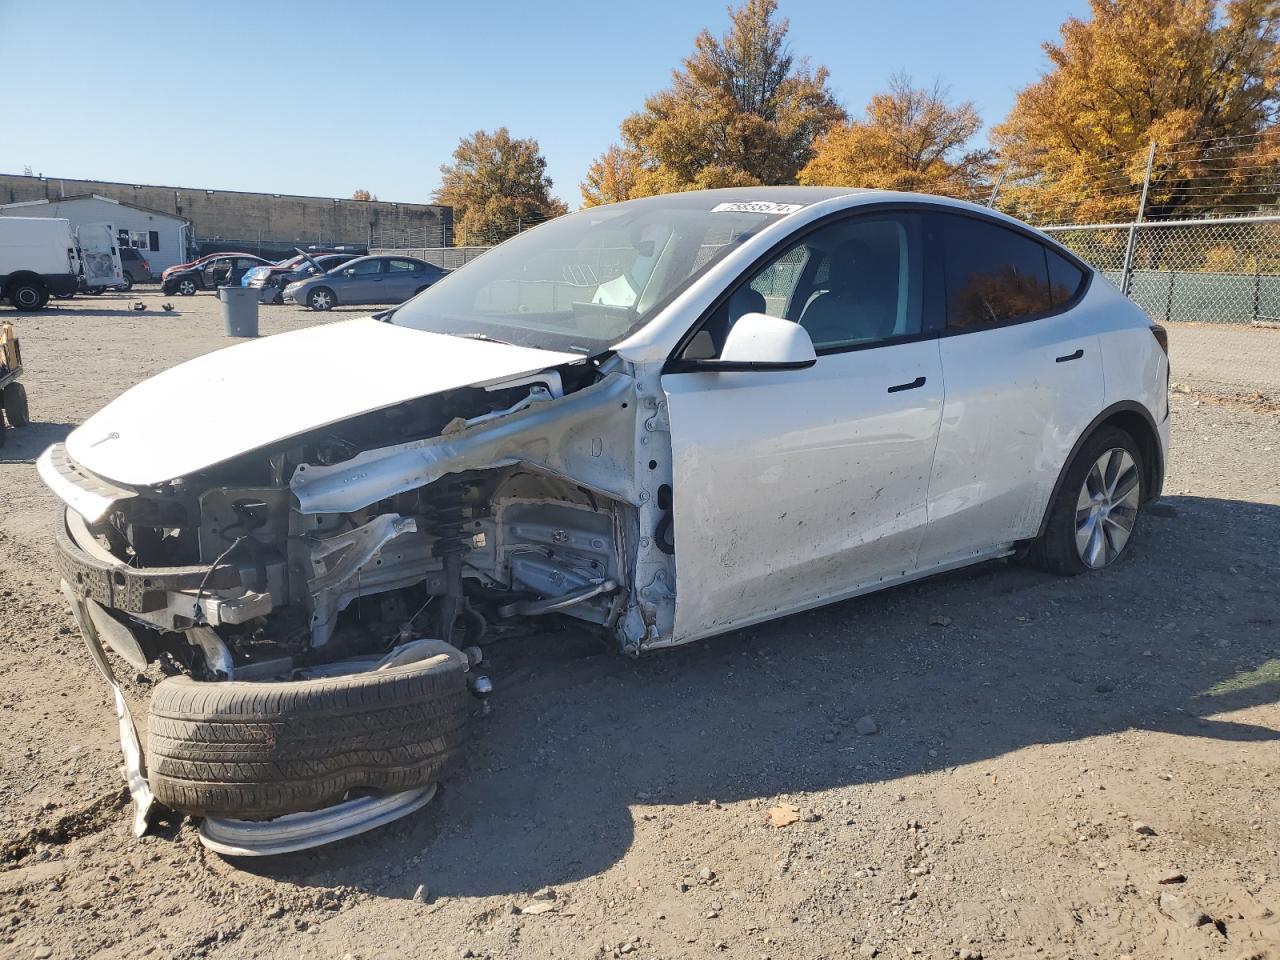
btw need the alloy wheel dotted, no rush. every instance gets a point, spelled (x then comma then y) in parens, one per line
(320, 300)
(1107, 508)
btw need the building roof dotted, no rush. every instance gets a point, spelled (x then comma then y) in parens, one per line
(92, 196)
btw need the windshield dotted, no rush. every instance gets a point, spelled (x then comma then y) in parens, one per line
(585, 281)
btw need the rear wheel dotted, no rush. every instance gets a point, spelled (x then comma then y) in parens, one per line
(321, 298)
(128, 282)
(1095, 513)
(16, 410)
(27, 295)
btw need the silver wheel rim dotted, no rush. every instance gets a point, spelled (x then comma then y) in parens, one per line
(320, 300)
(187, 287)
(1107, 508)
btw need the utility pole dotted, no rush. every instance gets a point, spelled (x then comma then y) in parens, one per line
(1132, 246)
(995, 191)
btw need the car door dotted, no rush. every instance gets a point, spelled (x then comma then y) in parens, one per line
(1024, 379)
(361, 281)
(215, 272)
(796, 487)
(403, 279)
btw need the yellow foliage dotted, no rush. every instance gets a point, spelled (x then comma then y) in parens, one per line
(1184, 72)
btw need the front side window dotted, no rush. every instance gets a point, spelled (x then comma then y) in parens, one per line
(851, 283)
(994, 275)
(365, 268)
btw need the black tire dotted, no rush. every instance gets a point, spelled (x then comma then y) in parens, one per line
(186, 287)
(255, 751)
(27, 296)
(1056, 550)
(15, 405)
(321, 299)
(128, 282)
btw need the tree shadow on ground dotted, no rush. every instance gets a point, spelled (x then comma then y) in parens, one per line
(576, 740)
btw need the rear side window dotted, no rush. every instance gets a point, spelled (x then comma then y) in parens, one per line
(993, 275)
(1065, 277)
(402, 266)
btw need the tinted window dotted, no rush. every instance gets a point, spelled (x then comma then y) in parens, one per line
(994, 275)
(244, 263)
(1064, 277)
(853, 282)
(402, 266)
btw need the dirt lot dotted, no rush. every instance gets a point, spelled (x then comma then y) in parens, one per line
(1061, 768)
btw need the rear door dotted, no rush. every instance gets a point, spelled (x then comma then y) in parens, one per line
(1024, 378)
(403, 279)
(100, 255)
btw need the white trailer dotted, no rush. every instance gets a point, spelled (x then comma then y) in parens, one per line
(37, 259)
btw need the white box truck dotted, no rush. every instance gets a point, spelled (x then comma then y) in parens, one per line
(37, 259)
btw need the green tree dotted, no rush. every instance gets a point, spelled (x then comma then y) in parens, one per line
(911, 139)
(1189, 73)
(496, 185)
(742, 110)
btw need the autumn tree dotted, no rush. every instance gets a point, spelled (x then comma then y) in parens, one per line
(742, 110)
(496, 185)
(363, 194)
(1198, 77)
(912, 138)
(611, 178)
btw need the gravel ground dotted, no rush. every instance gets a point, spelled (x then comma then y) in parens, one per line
(1059, 767)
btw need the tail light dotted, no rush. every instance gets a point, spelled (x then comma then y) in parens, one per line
(146, 266)
(1162, 337)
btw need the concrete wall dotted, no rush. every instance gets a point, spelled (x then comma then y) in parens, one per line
(171, 232)
(248, 217)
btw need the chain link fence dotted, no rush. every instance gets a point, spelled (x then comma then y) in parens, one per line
(1204, 271)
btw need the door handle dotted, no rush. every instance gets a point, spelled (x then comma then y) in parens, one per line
(1071, 356)
(917, 382)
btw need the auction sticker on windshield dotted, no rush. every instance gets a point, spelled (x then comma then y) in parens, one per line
(756, 206)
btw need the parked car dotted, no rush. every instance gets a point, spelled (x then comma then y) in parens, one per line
(37, 259)
(271, 281)
(198, 262)
(365, 280)
(216, 271)
(136, 267)
(666, 419)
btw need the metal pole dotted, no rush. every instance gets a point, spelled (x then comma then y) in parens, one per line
(995, 191)
(1132, 246)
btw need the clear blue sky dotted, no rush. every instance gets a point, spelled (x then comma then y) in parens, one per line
(322, 98)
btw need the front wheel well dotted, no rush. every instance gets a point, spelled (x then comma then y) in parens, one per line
(23, 276)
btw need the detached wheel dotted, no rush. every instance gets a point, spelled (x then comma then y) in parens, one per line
(255, 751)
(186, 287)
(27, 295)
(321, 298)
(15, 405)
(1095, 513)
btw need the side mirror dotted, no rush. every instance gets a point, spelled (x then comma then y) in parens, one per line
(758, 341)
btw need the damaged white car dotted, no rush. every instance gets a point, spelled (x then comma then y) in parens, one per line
(667, 418)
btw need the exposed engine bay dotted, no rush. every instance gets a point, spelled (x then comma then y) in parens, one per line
(457, 516)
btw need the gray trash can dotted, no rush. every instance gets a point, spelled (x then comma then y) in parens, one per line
(239, 310)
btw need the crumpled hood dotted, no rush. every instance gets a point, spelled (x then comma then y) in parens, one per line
(215, 407)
